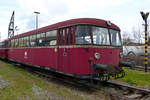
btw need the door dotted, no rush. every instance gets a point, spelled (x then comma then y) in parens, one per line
(64, 41)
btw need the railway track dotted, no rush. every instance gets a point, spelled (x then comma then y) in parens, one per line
(131, 92)
(121, 91)
(141, 68)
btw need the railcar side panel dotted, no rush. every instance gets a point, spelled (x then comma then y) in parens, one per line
(64, 60)
(2, 53)
(35, 56)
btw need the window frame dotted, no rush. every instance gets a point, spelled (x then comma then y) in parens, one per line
(90, 34)
(108, 35)
(47, 42)
(119, 35)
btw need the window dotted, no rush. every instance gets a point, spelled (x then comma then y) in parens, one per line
(100, 36)
(1, 44)
(115, 38)
(26, 41)
(71, 35)
(9, 43)
(51, 38)
(16, 43)
(63, 36)
(21, 42)
(32, 40)
(68, 36)
(12, 43)
(60, 36)
(83, 34)
(41, 39)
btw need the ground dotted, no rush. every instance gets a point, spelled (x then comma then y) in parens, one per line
(137, 78)
(17, 84)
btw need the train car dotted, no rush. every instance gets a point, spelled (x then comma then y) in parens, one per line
(3, 49)
(83, 48)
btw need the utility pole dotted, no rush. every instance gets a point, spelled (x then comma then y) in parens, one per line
(37, 19)
(145, 16)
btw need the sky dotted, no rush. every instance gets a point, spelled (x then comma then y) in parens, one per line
(123, 13)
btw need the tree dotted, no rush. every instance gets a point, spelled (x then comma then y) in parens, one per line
(138, 34)
(126, 38)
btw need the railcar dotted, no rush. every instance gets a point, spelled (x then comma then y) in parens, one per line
(83, 48)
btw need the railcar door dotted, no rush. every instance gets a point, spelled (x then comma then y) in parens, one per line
(64, 41)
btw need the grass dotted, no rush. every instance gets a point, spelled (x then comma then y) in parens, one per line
(136, 78)
(20, 82)
(21, 85)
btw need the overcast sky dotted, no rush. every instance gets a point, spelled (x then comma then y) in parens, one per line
(124, 13)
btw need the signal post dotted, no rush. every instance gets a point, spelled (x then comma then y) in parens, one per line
(145, 16)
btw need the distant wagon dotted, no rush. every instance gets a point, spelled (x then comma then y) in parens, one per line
(84, 48)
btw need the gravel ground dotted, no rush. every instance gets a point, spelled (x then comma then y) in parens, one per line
(64, 93)
(3, 83)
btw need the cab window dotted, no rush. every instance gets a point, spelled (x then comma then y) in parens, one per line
(100, 36)
(83, 34)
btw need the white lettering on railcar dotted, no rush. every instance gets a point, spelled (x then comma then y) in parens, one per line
(25, 55)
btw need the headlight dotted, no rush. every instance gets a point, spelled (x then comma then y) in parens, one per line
(121, 54)
(97, 56)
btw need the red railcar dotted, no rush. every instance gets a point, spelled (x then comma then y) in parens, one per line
(83, 48)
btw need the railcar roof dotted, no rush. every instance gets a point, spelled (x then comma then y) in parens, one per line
(91, 21)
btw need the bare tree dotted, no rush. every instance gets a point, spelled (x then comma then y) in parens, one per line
(126, 38)
(138, 34)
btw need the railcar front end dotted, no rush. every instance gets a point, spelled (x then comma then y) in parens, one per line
(98, 52)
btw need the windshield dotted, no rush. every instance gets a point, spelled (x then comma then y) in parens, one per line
(100, 36)
(115, 38)
(83, 34)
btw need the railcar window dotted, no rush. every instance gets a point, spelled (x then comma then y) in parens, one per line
(59, 37)
(21, 42)
(100, 36)
(6, 44)
(12, 43)
(38, 39)
(32, 40)
(41, 39)
(26, 41)
(71, 35)
(63, 38)
(51, 38)
(16, 43)
(115, 38)
(83, 34)
(67, 41)
(9, 43)
(1, 44)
